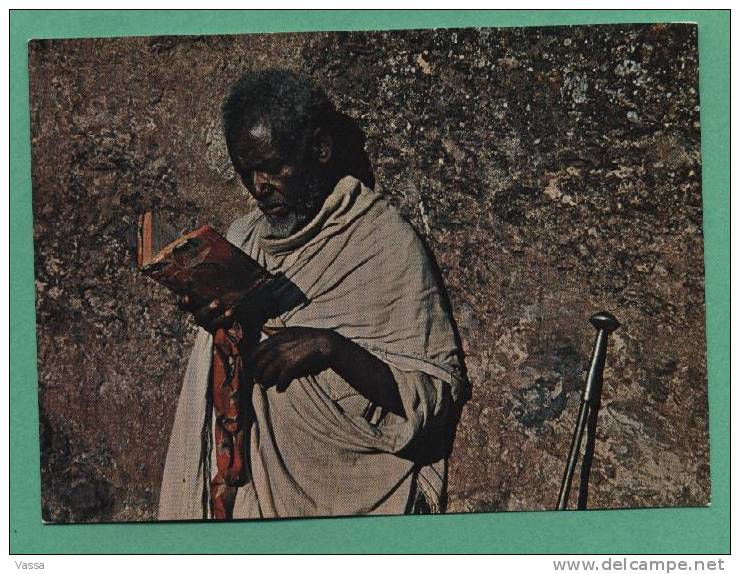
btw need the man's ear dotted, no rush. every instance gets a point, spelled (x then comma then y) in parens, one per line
(322, 145)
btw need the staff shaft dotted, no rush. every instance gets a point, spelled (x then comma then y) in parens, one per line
(588, 413)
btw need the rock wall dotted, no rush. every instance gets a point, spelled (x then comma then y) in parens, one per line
(554, 172)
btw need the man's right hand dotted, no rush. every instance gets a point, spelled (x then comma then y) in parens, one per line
(211, 316)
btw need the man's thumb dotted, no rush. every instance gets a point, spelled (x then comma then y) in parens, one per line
(271, 330)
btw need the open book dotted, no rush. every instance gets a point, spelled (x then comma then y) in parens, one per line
(201, 264)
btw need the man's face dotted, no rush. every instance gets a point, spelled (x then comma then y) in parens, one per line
(280, 182)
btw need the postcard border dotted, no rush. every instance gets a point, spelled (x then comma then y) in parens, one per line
(674, 530)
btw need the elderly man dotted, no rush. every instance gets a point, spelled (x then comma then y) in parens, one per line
(358, 388)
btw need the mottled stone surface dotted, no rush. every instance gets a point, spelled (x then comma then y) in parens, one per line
(554, 172)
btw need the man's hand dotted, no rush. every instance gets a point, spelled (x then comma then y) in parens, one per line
(213, 315)
(292, 352)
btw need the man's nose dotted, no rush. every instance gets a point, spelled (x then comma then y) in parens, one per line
(262, 184)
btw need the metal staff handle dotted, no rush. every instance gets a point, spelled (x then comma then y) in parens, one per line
(588, 413)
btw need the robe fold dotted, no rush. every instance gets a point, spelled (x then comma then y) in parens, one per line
(319, 448)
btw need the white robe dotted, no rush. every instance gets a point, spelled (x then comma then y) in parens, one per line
(319, 448)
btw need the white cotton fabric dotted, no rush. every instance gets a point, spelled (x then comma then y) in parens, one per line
(319, 448)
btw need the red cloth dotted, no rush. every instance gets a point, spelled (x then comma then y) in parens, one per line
(228, 384)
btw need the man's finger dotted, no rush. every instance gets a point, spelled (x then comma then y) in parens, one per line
(266, 347)
(271, 331)
(203, 316)
(267, 375)
(185, 302)
(267, 364)
(275, 366)
(279, 376)
(206, 315)
(282, 382)
(223, 320)
(262, 357)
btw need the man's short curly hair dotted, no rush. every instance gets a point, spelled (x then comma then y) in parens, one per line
(294, 105)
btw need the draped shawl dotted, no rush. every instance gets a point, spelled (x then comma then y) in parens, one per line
(319, 447)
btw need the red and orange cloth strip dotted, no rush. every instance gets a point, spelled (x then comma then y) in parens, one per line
(229, 381)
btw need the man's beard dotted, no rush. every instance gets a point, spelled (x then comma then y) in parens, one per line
(280, 227)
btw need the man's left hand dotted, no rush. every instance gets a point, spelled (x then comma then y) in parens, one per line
(293, 352)
(290, 353)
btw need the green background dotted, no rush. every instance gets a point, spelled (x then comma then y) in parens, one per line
(680, 530)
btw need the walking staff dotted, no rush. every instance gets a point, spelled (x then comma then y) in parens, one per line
(588, 413)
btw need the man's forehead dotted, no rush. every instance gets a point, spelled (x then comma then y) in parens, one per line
(260, 131)
(255, 142)
(258, 141)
